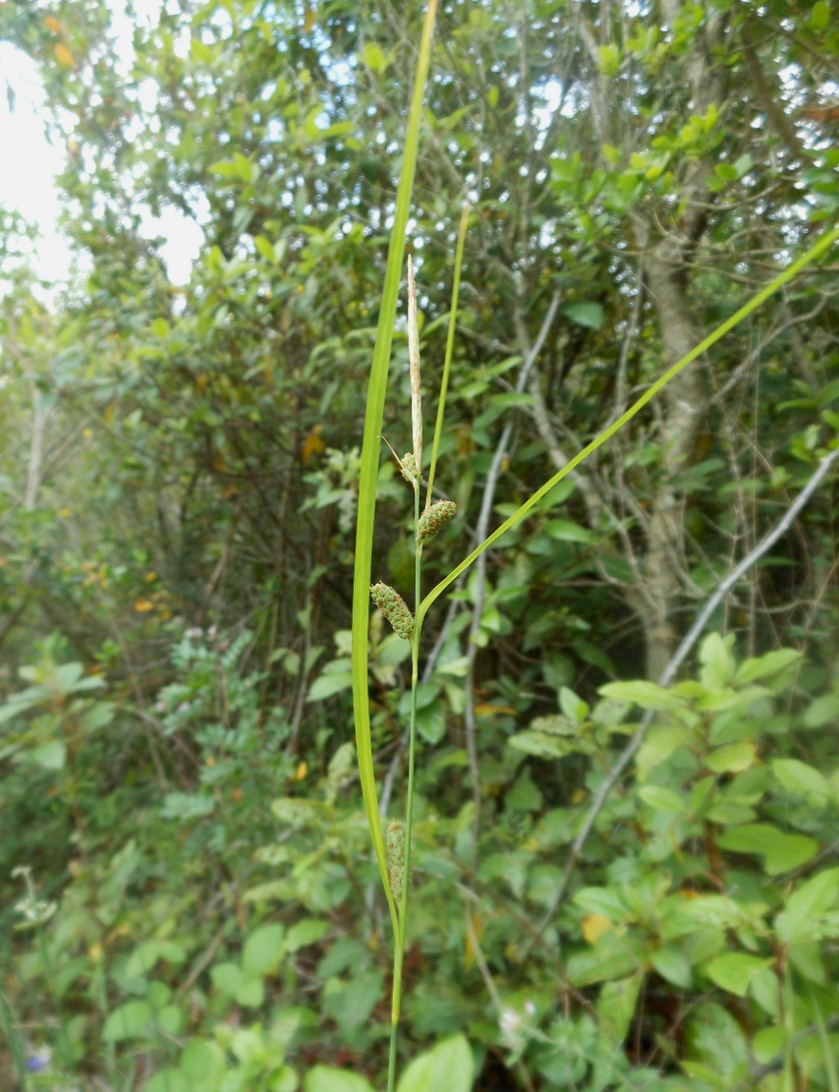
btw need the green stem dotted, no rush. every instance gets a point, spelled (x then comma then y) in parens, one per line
(399, 940)
(394, 1032)
(447, 363)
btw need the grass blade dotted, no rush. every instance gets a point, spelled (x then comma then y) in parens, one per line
(816, 251)
(370, 458)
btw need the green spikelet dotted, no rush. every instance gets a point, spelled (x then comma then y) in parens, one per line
(408, 468)
(394, 608)
(396, 856)
(434, 519)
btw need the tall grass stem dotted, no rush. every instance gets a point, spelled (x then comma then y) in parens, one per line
(447, 362)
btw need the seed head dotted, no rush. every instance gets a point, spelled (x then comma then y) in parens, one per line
(394, 608)
(408, 468)
(395, 844)
(434, 519)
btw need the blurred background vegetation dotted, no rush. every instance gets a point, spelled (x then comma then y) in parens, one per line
(178, 468)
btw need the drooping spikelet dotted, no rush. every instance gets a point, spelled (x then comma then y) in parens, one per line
(408, 468)
(395, 844)
(434, 519)
(394, 608)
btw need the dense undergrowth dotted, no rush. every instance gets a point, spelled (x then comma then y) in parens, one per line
(214, 926)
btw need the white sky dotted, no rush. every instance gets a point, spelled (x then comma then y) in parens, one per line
(30, 163)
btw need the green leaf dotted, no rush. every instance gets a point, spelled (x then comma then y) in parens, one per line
(730, 815)
(733, 972)
(129, 1021)
(768, 1044)
(374, 58)
(251, 993)
(303, 933)
(170, 1080)
(563, 530)
(662, 799)
(15, 706)
(541, 744)
(351, 1003)
(820, 15)
(648, 695)
(585, 313)
(822, 712)
(718, 664)
(448, 1065)
(574, 708)
(616, 1007)
(768, 666)
(798, 920)
(716, 1040)
(323, 1078)
(802, 780)
(50, 756)
(227, 978)
(328, 684)
(170, 1019)
(266, 249)
(263, 950)
(789, 852)
(605, 961)
(142, 959)
(609, 59)
(750, 838)
(203, 1062)
(673, 966)
(187, 806)
(662, 740)
(732, 757)
(805, 956)
(603, 901)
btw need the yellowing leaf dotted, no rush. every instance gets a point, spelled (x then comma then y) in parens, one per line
(472, 935)
(151, 577)
(594, 926)
(300, 772)
(51, 23)
(63, 55)
(313, 445)
(485, 709)
(143, 605)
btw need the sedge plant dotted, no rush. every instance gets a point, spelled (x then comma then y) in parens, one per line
(393, 855)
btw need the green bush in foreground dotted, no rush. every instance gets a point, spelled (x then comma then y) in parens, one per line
(207, 945)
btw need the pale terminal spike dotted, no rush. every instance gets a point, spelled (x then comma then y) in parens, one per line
(414, 359)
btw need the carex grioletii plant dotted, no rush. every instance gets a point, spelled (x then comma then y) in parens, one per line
(393, 851)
